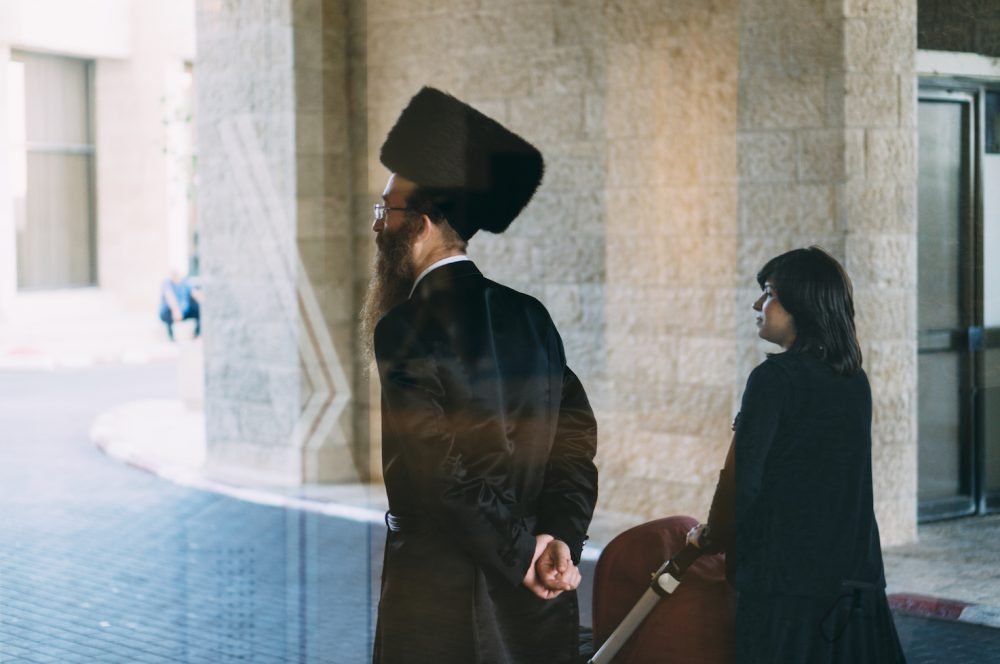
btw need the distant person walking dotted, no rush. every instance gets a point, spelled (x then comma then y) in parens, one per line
(180, 300)
(793, 509)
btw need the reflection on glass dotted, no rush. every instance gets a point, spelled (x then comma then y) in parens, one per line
(939, 209)
(939, 456)
(991, 418)
(991, 240)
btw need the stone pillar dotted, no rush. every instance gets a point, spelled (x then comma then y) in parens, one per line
(274, 206)
(879, 213)
(827, 137)
(667, 121)
(367, 419)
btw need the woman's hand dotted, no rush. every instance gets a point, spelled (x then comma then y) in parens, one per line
(698, 536)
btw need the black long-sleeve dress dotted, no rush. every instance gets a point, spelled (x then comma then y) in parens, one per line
(487, 439)
(798, 522)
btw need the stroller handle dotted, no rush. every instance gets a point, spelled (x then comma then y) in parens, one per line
(664, 582)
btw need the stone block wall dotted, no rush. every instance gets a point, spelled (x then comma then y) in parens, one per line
(827, 156)
(879, 217)
(324, 234)
(245, 102)
(685, 142)
(631, 239)
(668, 118)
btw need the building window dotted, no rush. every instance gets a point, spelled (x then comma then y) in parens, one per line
(52, 163)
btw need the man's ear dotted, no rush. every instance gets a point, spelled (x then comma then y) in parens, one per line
(426, 228)
(424, 241)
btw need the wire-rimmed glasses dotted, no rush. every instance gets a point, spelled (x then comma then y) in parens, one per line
(381, 210)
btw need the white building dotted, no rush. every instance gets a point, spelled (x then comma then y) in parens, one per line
(96, 190)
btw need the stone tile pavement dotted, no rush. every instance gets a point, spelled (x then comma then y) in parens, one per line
(953, 571)
(100, 563)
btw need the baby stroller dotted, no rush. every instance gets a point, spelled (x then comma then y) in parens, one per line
(691, 621)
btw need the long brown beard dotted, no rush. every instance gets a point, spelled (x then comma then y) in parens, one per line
(393, 273)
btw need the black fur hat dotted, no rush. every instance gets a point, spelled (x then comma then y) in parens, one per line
(484, 172)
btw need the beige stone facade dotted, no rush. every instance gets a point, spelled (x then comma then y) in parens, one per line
(631, 240)
(685, 142)
(835, 165)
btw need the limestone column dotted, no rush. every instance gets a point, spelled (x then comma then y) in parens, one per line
(827, 137)
(879, 212)
(275, 211)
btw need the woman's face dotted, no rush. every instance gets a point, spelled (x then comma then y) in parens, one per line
(774, 324)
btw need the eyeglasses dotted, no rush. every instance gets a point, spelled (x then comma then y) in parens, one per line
(382, 210)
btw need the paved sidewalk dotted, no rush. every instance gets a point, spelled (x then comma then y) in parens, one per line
(80, 327)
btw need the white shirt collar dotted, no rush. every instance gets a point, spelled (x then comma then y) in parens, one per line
(434, 266)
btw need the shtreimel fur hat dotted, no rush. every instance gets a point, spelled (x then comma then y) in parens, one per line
(485, 172)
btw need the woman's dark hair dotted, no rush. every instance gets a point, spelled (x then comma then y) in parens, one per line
(814, 288)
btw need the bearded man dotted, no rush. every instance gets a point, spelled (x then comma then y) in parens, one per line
(488, 438)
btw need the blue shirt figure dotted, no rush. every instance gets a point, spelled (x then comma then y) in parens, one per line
(179, 300)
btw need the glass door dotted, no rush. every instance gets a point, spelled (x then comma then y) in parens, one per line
(958, 300)
(988, 342)
(945, 203)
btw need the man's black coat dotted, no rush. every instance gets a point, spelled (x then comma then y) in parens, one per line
(487, 439)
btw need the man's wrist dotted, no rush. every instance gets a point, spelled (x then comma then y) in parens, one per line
(574, 544)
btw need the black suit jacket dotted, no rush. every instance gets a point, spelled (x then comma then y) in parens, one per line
(804, 514)
(487, 439)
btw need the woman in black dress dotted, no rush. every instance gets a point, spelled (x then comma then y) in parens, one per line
(793, 509)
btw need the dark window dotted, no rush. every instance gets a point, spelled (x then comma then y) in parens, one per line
(966, 26)
(992, 122)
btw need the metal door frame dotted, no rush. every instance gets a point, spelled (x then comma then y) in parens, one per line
(972, 338)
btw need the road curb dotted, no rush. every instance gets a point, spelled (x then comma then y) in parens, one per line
(926, 606)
